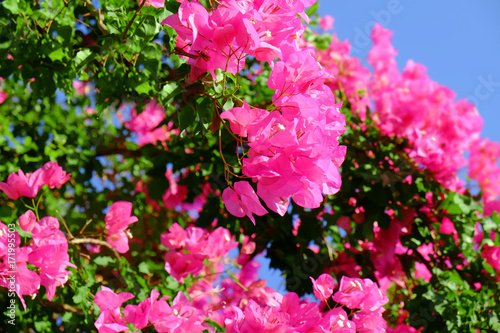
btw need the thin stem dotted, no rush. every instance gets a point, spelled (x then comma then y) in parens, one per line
(228, 129)
(124, 34)
(99, 15)
(70, 235)
(330, 252)
(85, 226)
(49, 24)
(95, 241)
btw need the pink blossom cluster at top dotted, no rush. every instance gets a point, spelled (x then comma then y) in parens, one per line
(222, 37)
(28, 185)
(146, 124)
(349, 76)
(286, 314)
(294, 150)
(47, 251)
(410, 105)
(190, 248)
(483, 166)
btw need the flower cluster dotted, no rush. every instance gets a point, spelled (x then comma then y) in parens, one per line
(145, 125)
(483, 166)
(411, 105)
(349, 76)
(293, 150)
(175, 197)
(47, 251)
(28, 185)
(117, 221)
(48, 248)
(221, 38)
(285, 314)
(190, 248)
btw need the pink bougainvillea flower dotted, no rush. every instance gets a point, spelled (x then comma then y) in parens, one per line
(336, 320)
(180, 265)
(27, 221)
(326, 22)
(491, 206)
(28, 185)
(175, 194)
(3, 96)
(22, 185)
(242, 201)
(447, 227)
(241, 118)
(426, 250)
(478, 236)
(156, 3)
(152, 115)
(81, 87)
(323, 286)
(483, 166)
(26, 282)
(492, 256)
(421, 271)
(117, 221)
(361, 294)
(50, 254)
(53, 175)
(175, 238)
(110, 320)
(138, 315)
(108, 300)
(371, 322)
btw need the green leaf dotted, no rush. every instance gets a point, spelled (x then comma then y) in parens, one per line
(157, 187)
(144, 268)
(186, 117)
(215, 325)
(205, 110)
(313, 9)
(231, 274)
(12, 5)
(104, 261)
(82, 295)
(82, 58)
(5, 211)
(169, 91)
(228, 105)
(172, 6)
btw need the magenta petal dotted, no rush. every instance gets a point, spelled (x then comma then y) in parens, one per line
(27, 221)
(242, 201)
(323, 286)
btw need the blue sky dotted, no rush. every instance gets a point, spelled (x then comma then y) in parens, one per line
(458, 41)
